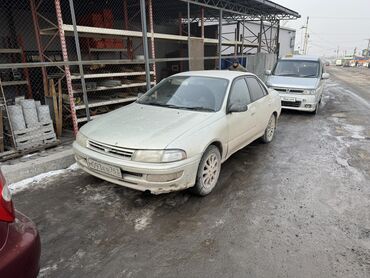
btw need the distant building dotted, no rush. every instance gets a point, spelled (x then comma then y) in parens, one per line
(286, 36)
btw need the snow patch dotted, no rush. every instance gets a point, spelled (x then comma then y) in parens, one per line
(355, 130)
(26, 183)
(143, 221)
(45, 271)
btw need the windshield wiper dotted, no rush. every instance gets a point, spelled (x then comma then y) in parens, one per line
(158, 104)
(198, 108)
(309, 75)
(287, 74)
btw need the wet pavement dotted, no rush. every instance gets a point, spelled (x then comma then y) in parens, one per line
(298, 207)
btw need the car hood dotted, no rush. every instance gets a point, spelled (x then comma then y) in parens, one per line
(138, 126)
(292, 82)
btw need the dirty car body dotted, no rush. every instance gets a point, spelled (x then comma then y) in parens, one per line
(156, 144)
(20, 246)
(300, 82)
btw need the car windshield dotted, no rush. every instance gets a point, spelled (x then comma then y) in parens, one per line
(188, 92)
(297, 68)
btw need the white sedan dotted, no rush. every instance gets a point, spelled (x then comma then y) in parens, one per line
(177, 135)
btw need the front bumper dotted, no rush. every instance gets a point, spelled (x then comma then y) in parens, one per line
(300, 102)
(138, 175)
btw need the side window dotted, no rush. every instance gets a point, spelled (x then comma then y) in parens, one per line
(264, 90)
(239, 92)
(255, 89)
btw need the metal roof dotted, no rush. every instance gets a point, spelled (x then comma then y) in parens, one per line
(249, 9)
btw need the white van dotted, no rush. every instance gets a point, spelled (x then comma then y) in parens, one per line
(299, 81)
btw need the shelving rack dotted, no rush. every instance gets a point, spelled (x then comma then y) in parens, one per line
(17, 52)
(66, 30)
(219, 12)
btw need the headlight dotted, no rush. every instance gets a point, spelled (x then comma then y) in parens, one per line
(157, 156)
(81, 139)
(309, 92)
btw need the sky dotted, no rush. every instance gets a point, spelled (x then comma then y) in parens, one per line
(332, 24)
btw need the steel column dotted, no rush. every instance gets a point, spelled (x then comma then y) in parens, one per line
(145, 43)
(202, 21)
(188, 8)
(39, 45)
(260, 37)
(79, 59)
(66, 67)
(242, 37)
(277, 50)
(152, 39)
(219, 39)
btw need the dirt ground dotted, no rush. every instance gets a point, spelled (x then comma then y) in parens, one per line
(298, 207)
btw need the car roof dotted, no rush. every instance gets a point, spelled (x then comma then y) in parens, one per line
(225, 74)
(302, 57)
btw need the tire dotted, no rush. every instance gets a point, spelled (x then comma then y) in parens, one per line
(208, 172)
(269, 134)
(316, 109)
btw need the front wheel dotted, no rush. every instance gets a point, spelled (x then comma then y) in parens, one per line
(316, 108)
(269, 134)
(208, 171)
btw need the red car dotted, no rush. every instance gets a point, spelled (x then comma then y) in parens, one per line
(20, 246)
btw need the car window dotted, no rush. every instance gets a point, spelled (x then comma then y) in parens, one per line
(297, 68)
(255, 89)
(264, 90)
(188, 92)
(239, 92)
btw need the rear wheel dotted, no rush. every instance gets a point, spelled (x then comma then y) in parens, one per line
(208, 171)
(269, 134)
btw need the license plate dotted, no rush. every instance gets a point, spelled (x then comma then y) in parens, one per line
(291, 99)
(104, 168)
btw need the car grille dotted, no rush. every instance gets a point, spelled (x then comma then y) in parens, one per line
(286, 90)
(291, 103)
(110, 150)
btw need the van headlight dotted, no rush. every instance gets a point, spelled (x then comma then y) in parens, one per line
(158, 156)
(81, 139)
(309, 92)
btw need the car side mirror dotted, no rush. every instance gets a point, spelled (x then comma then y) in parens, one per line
(237, 108)
(268, 72)
(325, 75)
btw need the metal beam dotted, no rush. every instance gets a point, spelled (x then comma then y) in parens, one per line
(39, 45)
(145, 43)
(277, 50)
(260, 37)
(219, 39)
(79, 59)
(245, 9)
(67, 71)
(152, 43)
(189, 30)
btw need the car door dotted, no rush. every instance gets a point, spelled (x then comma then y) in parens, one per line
(261, 103)
(321, 83)
(241, 125)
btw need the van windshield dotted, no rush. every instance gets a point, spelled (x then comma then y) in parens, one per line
(297, 68)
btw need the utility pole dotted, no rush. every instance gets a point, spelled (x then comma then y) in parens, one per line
(337, 52)
(305, 46)
(368, 49)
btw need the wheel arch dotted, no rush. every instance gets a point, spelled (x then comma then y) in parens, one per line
(218, 145)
